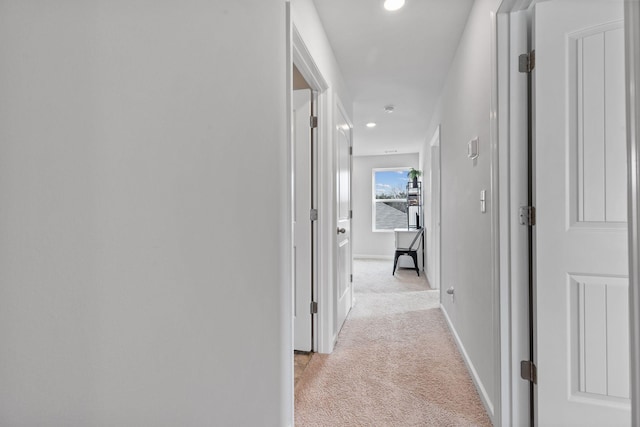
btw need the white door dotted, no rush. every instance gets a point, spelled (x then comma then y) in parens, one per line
(343, 289)
(580, 190)
(302, 231)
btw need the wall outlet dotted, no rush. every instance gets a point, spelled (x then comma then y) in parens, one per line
(451, 292)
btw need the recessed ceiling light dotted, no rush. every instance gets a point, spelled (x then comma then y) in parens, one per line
(371, 125)
(389, 108)
(392, 5)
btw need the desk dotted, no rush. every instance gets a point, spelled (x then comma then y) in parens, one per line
(403, 240)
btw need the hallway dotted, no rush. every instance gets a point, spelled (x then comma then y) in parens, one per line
(395, 362)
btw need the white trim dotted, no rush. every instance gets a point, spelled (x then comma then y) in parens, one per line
(305, 63)
(326, 227)
(511, 275)
(503, 43)
(494, 202)
(434, 230)
(632, 46)
(482, 391)
(435, 139)
(286, 319)
(300, 55)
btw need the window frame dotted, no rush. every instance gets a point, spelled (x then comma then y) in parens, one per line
(374, 201)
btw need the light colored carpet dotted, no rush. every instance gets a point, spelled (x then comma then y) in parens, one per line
(300, 362)
(395, 363)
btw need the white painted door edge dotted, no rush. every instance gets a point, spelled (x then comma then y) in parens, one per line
(632, 54)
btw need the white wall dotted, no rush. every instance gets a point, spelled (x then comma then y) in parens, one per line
(128, 296)
(464, 113)
(367, 243)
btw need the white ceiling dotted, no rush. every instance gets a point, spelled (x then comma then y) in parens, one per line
(399, 58)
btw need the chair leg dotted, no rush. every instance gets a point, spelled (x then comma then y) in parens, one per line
(395, 264)
(414, 255)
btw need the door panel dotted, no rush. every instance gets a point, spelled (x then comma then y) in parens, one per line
(343, 289)
(581, 240)
(302, 194)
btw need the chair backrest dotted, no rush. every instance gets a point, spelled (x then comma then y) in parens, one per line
(415, 239)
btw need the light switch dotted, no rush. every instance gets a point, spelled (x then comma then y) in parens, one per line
(472, 149)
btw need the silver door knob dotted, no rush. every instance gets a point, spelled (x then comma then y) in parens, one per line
(341, 230)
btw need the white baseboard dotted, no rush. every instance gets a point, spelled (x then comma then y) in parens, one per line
(384, 257)
(486, 400)
(430, 279)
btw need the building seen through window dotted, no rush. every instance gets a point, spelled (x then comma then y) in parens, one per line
(389, 209)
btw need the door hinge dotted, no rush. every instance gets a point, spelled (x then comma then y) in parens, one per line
(314, 307)
(527, 215)
(313, 214)
(351, 151)
(351, 278)
(527, 62)
(350, 214)
(528, 371)
(313, 121)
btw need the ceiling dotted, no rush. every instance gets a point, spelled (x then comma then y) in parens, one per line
(393, 58)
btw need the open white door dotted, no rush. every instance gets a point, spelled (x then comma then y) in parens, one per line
(582, 318)
(343, 288)
(302, 227)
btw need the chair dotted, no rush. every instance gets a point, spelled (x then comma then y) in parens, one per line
(413, 253)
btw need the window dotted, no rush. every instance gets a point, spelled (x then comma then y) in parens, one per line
(389, 198)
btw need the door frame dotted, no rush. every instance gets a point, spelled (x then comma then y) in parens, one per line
(632, 55)
(500, 107)
(324, 275)
(434, 238)
(512, 184)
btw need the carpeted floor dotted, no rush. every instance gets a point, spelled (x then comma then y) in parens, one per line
(395, 362)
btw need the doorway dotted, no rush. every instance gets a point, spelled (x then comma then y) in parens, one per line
(303, 149)
(319, 206)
